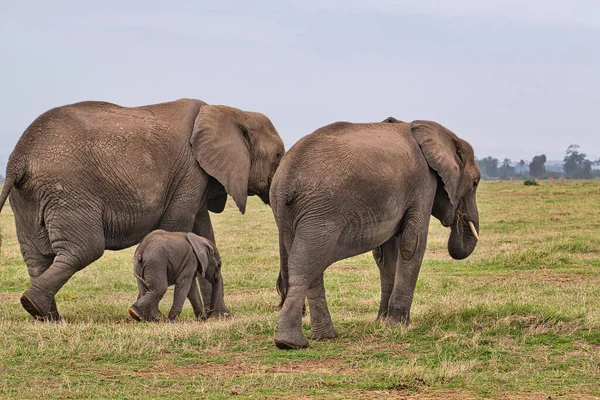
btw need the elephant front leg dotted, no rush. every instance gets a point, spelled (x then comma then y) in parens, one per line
(212, 293)
(206, 291)
(196, 301)
(411, 249)
(217, 304)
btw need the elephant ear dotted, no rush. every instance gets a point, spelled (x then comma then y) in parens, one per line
(442, 152)
(219, 145)
(203, 249)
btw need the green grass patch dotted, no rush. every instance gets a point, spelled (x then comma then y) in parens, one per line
(520, 318)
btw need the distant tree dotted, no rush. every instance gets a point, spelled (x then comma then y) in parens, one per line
(596, 172)
(576, 165)
(488, 166)
(537, 166)
(521, 166)
(586, 171)
(506, 170)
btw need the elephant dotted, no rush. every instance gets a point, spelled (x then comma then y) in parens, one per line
(349, 188)
(93, 175)
(172, 258)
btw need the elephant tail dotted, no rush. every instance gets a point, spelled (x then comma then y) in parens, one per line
(5, 191)
(138, 268)
(8, 185)
(282, 287)
(14, 174)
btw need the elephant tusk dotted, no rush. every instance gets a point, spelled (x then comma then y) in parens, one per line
(473, 230)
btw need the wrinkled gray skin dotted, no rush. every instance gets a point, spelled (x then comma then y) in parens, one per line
(172, 258)
(349, 188)
(93, 176)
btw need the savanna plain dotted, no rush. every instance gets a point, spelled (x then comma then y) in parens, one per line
(519, 319)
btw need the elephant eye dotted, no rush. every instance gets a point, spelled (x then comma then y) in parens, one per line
(475, 183)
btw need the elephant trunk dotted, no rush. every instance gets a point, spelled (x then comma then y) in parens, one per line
(464, 233)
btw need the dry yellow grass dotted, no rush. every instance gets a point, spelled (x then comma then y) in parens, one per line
(519, 319)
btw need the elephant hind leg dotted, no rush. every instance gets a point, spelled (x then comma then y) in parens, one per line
(39, 299)
(307, 260)
(386, 257)
(35, 248)
(38, 255)
(76, 245)
(146, 306)
(285, 244)
(37, 264)
(321, 326)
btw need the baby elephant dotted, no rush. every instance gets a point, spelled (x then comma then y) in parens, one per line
(166, 258)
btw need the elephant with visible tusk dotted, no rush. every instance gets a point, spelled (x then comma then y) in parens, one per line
(92, 176)
(349, 188)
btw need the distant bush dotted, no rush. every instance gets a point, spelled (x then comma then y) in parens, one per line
(531, 182)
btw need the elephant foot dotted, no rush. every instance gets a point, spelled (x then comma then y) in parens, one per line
(220, 314)
(381, 316)
(158, 317)
(290, 341)
(201, 316)
(391, 321)
(328, 333)
(173, 317)
(135, 313)
(40, 308)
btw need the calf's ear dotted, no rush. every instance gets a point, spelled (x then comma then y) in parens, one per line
(204, 250)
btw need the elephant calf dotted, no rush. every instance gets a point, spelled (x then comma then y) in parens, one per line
(172, 258)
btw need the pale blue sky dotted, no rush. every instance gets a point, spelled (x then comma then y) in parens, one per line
(513, 77)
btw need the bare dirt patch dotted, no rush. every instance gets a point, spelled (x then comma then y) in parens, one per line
(456, 395)
(9, 297)
(541, 275)
(403, 394)
(327, 367)
(374, 345)
(553, 277)
(237, 367)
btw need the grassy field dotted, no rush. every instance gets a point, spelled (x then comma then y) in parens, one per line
(518, 319)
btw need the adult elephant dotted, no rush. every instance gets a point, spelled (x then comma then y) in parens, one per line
(92, 176)
(349, 188)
